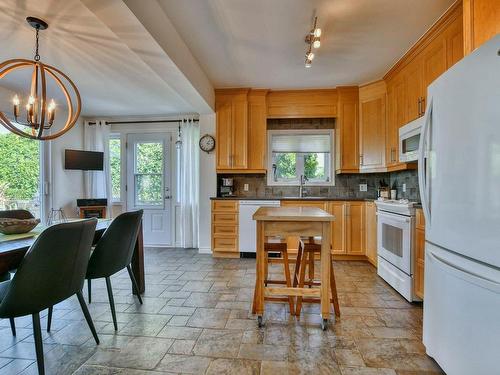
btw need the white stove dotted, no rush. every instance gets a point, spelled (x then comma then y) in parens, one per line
(395, 244)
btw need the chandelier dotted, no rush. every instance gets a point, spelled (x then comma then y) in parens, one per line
(40, 113)
(313, 41)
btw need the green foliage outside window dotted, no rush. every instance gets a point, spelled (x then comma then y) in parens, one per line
(115, 164)
(286, 166)
(149, 173)
(19, 167)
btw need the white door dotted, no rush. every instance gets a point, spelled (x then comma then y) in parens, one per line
(148, 184)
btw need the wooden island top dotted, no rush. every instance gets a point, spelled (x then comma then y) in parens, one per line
(292, 214)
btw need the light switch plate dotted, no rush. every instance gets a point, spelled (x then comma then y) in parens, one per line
(404, 188)
(245, 187)
(363, 187)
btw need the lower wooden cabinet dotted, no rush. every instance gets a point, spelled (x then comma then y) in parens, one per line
(225, 228)
(348, 229)
(419, 260)
(371, 232)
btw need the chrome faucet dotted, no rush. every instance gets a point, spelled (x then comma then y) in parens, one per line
(303, 180)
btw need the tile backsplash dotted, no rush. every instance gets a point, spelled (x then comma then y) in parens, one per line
(346, 186)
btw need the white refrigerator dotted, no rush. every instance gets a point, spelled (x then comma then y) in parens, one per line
(459, 175)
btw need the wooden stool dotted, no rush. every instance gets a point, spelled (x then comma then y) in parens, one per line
(305, 259)
(277, 246)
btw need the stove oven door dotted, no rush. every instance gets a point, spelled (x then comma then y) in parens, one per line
(394, 239)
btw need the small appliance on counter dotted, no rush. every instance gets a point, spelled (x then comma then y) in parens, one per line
(226, 187)
(89, 208)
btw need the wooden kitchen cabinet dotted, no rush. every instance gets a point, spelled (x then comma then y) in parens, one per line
(348, 229)
(481, 21)
(346, 134)
(225, 228)
(371, 232)
(231, 108)
(419, 260)
(257, 130)
(396, 117)
(413, 75)
(372, 127)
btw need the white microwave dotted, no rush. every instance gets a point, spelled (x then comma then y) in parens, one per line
(409, 140)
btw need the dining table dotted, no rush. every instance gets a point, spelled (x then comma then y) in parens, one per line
(13, 247)
(293, 222)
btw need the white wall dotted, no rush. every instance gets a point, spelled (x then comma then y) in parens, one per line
(208, 185)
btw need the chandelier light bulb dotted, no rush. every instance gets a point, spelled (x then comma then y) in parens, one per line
(316, 43)
(317, 32)
(310, 56)
(52, 105)
(15, 100)
(308, 63)
(31, 100)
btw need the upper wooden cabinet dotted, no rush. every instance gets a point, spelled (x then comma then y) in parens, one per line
(347, 131)
(241, 130)
(302, 103)
(231, 108)
(257, 130)
(481, 21)
(407, 81)
(372, 127)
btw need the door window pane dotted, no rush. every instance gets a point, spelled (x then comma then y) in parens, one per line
(148, 176)
(148, 189)
(19, 173)
(149, 157)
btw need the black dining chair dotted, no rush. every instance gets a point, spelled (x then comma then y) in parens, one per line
(52, 270)
(113, 253)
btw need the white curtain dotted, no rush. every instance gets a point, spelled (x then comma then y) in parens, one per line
(189, 183)
(98, 183)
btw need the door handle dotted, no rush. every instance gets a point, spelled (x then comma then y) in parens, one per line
(419, 106)
(168, 197)
(361, 159)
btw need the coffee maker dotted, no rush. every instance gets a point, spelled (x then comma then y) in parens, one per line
(226, 187)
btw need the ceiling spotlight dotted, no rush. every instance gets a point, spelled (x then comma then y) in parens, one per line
(313, 41)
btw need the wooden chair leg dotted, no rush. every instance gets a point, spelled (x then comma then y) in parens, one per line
(266, 267)
(254, 297)
(302, 277)
(333, 288)
(297, 265)
(37, 334)
(286, 267)
(311, 268)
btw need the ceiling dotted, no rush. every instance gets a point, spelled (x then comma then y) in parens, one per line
(111, 78)
(163, 57)
(260, 43)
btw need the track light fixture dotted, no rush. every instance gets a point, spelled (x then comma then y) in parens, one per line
(313, 40)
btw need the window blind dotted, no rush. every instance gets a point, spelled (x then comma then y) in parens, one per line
(305, 143)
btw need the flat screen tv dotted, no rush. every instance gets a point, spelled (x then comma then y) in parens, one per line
(83, 160)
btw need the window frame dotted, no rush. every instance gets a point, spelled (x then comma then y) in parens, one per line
(270, 179)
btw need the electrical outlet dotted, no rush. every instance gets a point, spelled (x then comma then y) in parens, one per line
(404, 188)
(363, 187)
(245, 187)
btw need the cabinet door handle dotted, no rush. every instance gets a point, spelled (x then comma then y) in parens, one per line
(361, 159)
(423, 105)
(419, 106)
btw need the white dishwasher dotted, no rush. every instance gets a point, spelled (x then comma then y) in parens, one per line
(247, 230)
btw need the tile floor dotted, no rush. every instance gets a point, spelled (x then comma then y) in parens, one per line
(196, 320)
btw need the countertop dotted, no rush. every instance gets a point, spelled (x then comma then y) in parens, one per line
(292, 199)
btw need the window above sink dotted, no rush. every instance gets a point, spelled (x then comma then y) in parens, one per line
(295, 153)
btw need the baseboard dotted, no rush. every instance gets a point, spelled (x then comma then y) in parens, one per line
(204, 250)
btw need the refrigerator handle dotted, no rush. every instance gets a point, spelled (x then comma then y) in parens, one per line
(422, 165)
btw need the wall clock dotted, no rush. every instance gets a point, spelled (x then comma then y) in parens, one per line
(207, 143)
